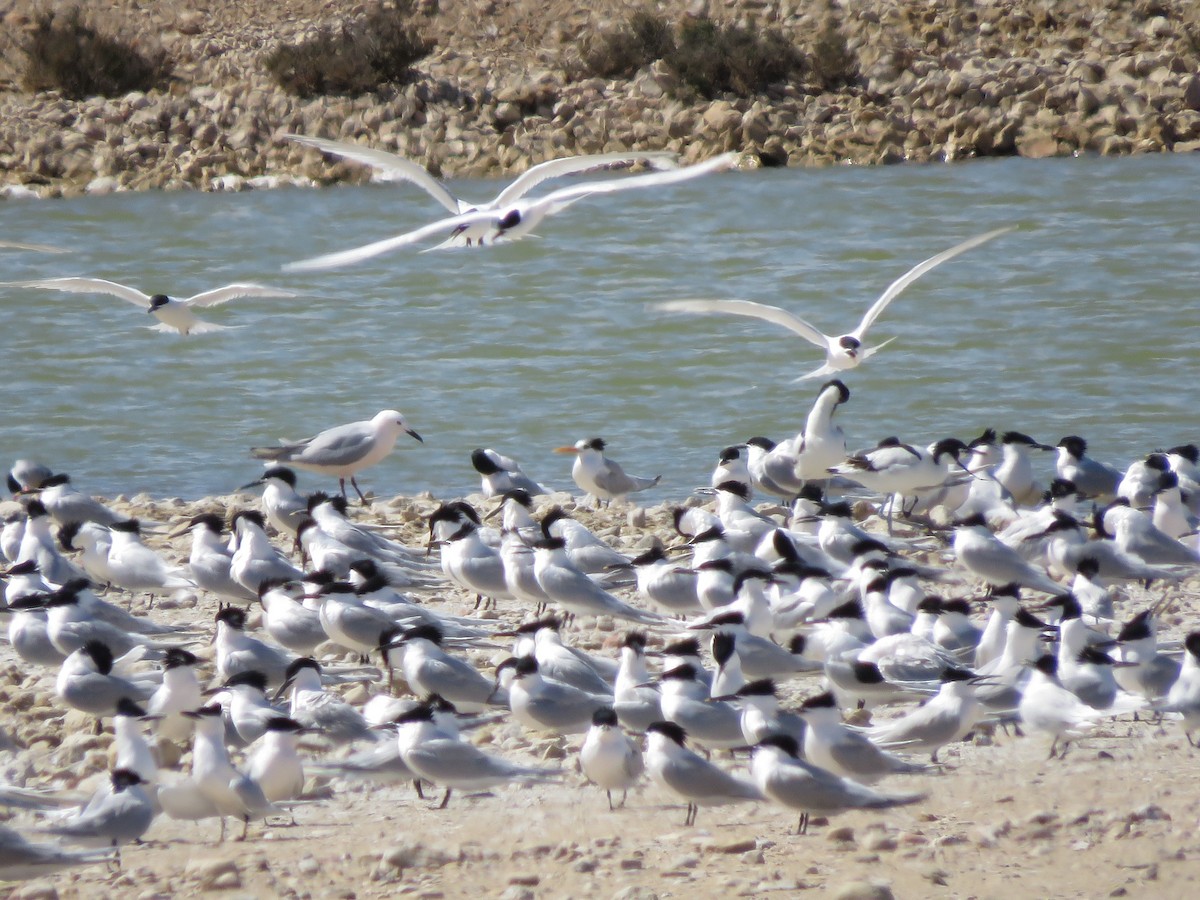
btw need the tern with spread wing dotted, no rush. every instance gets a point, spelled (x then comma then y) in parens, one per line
(514, 220)
(173, 315)
(841, 352)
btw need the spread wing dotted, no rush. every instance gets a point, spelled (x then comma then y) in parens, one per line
(369, 251)
(650, 179)
(90, 286)
(752, 310)
(232, 291)
(390, 164)
(574, 165)
(894, 289)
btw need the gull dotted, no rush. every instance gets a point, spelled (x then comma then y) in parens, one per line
(601, 477)
(784, 778)
(345, 450)
(173, 315)
(500, 474)
(679, 771)
(608, 757)
(21, 860)
(513, 221)
(841, 352)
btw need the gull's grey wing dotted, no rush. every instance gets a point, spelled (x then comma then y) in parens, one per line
(916, 272)
(342, 445)
(90, 286)
(574, 165)
(752, 310)
(232, 291)
(389, 163)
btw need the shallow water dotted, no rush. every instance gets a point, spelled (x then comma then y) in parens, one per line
(1085, 320)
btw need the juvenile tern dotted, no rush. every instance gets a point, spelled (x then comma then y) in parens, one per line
(345, 450)
(516, 219)
(173, 315)
(841, 352)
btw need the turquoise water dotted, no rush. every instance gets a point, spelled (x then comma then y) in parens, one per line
(1086, 320)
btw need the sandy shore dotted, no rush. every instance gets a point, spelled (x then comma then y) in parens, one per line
(503, 89)
(1118, 817)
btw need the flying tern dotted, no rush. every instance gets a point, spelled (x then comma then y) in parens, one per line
(173, 315)
(845, 351)
(515, 220)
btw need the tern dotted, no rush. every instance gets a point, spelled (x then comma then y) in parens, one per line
(396, 168)
(513, 221)
(500, 474)
(601, 477)
(117, 815)
(682, 773)
(173, 315)
(608, 757)
(282, 505)
(574, 591)
(784, 778)
(345, 450)
(845, 351)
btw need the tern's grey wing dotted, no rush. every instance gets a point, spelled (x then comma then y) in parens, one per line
(916, 272)
(810, 788)
(459, 764)
(20, 860)
(455, 680)
(336, 719)
(573, 165)
(382, 762)
(91, 286)
(704, 783)
(562, 706)
(119, 819)
(615, 480)
(752, 310)
(233, 291)
(854, 753)
(925, 726)
(388, 163)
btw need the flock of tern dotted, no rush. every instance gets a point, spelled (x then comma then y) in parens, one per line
(801, 569)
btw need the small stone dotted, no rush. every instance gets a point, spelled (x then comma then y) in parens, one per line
(631, 863)
(754, 857)
(841, 834)
(742, 846)
(863, 890)
(308, 866)
(876, 842)
(214, 874)
(36, 890)
(585, 865)
(526, 880)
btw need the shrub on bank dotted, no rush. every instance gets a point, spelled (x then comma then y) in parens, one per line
(711, 59)
(621, 51)
(65, 52)
(356, 58)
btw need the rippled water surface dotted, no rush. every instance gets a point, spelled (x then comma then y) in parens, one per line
(1085, 320)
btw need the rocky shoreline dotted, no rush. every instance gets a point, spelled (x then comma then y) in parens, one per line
(937, 81)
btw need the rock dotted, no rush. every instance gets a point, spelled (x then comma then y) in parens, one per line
(841, 834)
(35, 890)
(862, 890)
(213, 874)
(742, 846)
